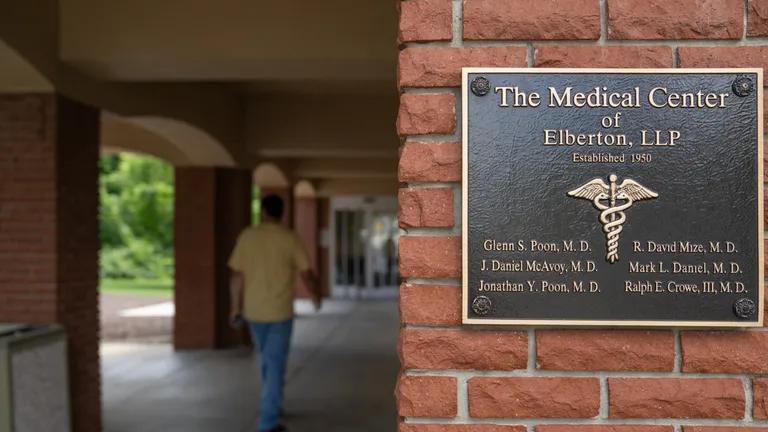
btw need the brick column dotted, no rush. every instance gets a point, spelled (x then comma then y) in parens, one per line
(305, 222)
(49, 231)
(233, 204)
(324, 259)
(212, 207)
(660, 381)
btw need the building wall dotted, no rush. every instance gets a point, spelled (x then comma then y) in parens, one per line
(552, 380)
(306, 225)
(212, 206)
(49, 238)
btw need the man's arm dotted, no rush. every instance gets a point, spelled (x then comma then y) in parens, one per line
(235, 295)
(311, 281)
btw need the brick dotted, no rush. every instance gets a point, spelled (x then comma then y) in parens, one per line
(430, 304)
(675, 398)
(603, 56)
(426, 113)
(723, 429)
(603, 428)
(531, 19)
(49, 228)
(431, 207)
(441, 66)
(430, 162)
(681, 19)
(463, 349)
(406, 427)
(757, 18)
(605, 350)
(760, 399)
(725, 352)
(430, 257)
(425, 20)
(730, 56)
(426, 396)
(527, 397)
(211, 209)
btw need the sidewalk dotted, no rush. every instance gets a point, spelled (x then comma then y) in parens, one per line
(341, 378)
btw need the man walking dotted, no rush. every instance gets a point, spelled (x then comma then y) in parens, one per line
(264, 265)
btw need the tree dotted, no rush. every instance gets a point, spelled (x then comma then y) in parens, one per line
(136, 217)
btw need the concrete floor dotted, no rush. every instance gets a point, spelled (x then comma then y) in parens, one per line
(341, 378)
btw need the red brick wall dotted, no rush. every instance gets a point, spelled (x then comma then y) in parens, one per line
(305, 222)
(458, 379)
(49, 238)
(212, 206)
(233, 213)
(194, 244)
(324, 266)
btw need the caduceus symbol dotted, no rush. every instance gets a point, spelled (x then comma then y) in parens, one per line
(619, 198)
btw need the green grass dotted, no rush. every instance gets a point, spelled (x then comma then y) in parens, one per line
(159, 288)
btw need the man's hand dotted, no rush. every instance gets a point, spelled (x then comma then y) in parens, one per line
(236, 319)
(236, 300)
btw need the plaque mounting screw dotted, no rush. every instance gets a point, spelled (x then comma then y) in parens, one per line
(480, 86)
(742, 86)
(744, 308)
(481, 305)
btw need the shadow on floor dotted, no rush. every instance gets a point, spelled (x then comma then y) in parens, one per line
(341, 378)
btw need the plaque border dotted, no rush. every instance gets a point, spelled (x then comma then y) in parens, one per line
(465, 71)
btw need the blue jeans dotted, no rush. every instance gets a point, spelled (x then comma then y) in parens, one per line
(273, 340)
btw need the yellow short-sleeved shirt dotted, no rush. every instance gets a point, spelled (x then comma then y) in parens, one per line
(269, 256)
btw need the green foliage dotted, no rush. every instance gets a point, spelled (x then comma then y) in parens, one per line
(136, 217)
(139, 287)
(255, 205)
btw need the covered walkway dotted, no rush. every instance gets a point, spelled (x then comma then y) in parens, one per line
(341, 377)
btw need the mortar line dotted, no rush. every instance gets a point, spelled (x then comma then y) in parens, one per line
(539, 373)
(678, 361)
(604, 410)
(429, 90)
(457, 216)
(753, 41)
(430, 138)
(431, 185)
(462, 399)
(603, 22)
(749, 401)
(532, 350)
(531, 422)
(675, 56)
(457, 25)
(431, 232)
(745, 18)
(530, 55)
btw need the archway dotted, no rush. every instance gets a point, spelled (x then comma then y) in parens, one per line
(176, 141)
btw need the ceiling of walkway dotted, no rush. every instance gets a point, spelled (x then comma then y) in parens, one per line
(334, 42)
(316, 78)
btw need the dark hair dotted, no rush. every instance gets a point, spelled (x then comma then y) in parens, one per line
(272, 205)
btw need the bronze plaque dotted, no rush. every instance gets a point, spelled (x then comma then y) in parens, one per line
(613, 197)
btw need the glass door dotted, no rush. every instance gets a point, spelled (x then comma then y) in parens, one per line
(364, 246)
